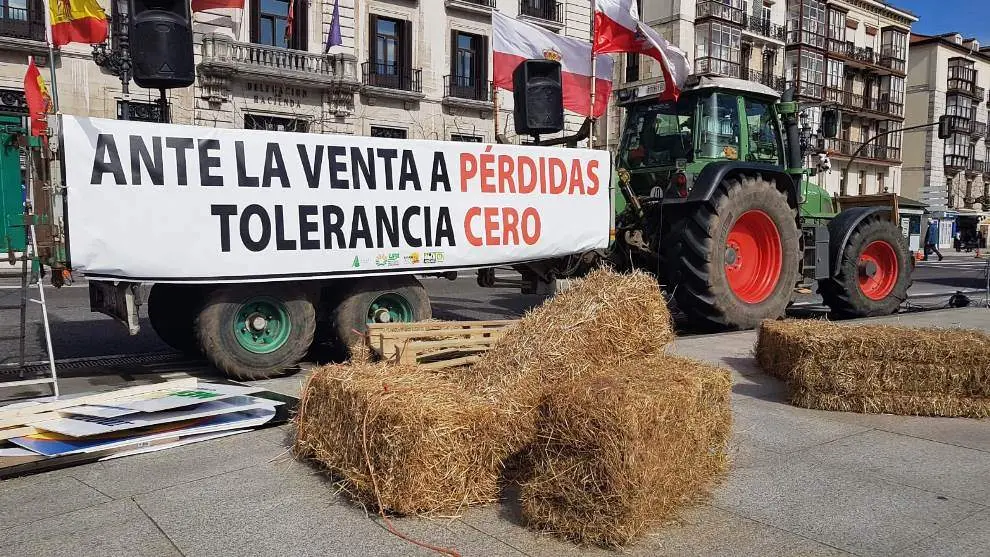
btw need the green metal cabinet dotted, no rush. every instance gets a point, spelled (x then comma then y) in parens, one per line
(11, 185)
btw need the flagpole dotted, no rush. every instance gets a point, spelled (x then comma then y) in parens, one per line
(594, 74)
(51, 55)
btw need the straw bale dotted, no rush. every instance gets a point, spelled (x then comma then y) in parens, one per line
(604, 320)
(879, 368)
(618, 452)
(432, 447)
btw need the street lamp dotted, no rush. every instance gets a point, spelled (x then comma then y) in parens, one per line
(116, 56)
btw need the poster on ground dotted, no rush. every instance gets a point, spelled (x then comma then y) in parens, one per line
(159, 401)
(171, 203)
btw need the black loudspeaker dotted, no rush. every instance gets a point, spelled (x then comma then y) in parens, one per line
(538, 95)
(161, 43)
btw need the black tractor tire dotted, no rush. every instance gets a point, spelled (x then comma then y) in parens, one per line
(349, 319)
(698, 256)
(172, 312)
(217, 339)
(843, 293)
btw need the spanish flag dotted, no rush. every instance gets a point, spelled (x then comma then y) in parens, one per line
(39, 101)
(77, 21)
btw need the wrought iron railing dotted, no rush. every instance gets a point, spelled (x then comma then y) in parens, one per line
(872, 151)
(725, 12)
(470, 88)
(764, 27)
(392, 76)
(707, 64)
(542, 9)
(22, 23)
(768, 79)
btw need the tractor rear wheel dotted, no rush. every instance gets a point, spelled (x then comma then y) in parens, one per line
(172, 311)
(735, 259)
(874, 272)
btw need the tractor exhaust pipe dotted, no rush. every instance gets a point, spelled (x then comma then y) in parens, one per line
(791, 131)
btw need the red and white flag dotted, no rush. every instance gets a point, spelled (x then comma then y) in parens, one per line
(618, 29)
(515, 42)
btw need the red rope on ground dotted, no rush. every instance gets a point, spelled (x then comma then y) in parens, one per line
(381, 508)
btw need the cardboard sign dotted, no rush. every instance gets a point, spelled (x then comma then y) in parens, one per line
(164, 400)
(169, 203)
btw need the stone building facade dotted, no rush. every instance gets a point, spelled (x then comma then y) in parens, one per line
(406, 68)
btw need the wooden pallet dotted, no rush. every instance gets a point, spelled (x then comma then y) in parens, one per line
(435, 345)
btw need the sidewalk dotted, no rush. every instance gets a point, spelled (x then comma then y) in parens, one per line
(803, 483)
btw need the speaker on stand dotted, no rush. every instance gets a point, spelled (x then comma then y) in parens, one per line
(538, 95)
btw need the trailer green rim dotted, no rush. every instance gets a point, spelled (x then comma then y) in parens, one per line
(262, 325)
(390, 308)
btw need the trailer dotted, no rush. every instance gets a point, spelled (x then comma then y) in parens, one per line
(247, 246)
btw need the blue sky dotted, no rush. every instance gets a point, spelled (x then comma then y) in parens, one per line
(971, 18)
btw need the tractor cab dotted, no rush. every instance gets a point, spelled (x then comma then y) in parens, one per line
(666, 144)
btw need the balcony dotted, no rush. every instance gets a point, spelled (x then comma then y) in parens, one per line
(718, 10)
(484, 7)
(807, 88)
(872, 151)
(392, 81)
(708, 64)
(962, 80)
(977, 129)
(764, 28)
(956, 163)
(224, 58)
(866, 57)
(467, 92)
(892, 58)
(977, 167)
(858, 103)
(23, 29)
(544, 13)
(768, 79)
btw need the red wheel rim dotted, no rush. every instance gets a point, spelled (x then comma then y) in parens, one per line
(753, 257)
(878, 270)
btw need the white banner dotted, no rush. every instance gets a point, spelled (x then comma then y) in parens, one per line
(169, 203)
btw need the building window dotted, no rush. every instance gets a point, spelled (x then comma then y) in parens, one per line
(632, 67)
(468, 66)
(466, 138)
(23, 19)
(141, 111)
(766, 12)
(837, 26)
(386, 132)
(892, 94)
(893, 48)
(957, 146)
(960, 106)
(274, 123)
(270, 22)
(805, 69)
(806, 22)
(717, 48)
(836, 73)
(390, 55)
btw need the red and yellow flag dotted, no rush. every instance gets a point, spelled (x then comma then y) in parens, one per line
(39, 101)
(77, 21)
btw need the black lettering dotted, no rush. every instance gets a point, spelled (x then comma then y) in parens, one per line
(333, 220)
(445, 229)
(243, 180)
(387, 224)
(428, 226)
(440, 175)
(407, 235)
(266, 228)
(208, 161)
(312, 168)
(387, 155)
(281, 244)
(359, 229)
(180, 145)
(336, 167)
(274, 167)
(409, 172)
(153, 162)
(307, 227)
(106, 145)
(224, 212)
(367, 166)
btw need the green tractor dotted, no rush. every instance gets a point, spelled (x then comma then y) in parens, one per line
(713, 199)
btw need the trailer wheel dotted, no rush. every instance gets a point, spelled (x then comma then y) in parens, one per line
(172, 312)
(256, 331)
(396, 299)
(735, 258)
(874, 272)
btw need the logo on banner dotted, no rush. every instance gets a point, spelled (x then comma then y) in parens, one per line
(412, 259)
(381, 260)
(356, 263)
(432, 257)
(553, 54)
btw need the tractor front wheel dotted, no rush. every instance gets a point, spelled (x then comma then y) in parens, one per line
(393, 299)
(735, 259)
(874, 272)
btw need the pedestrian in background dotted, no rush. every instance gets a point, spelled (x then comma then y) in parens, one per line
(931, 239)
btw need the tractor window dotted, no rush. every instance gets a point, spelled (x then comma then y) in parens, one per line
(656, 135)
(764, 138)
(718, 134)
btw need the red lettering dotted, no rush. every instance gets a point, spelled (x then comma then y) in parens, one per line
(577, 181)
(543, 175)
(506, 181)
(526, 184)
(468, 231)
(510, 227)
(469, 169)
(491, 226)
(593, 176)
(530, 226)
(558, 176)
(487, 171)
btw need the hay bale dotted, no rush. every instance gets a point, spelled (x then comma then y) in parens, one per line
(431, 446)
(879, 368)
(617, 452)
(603, 321)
